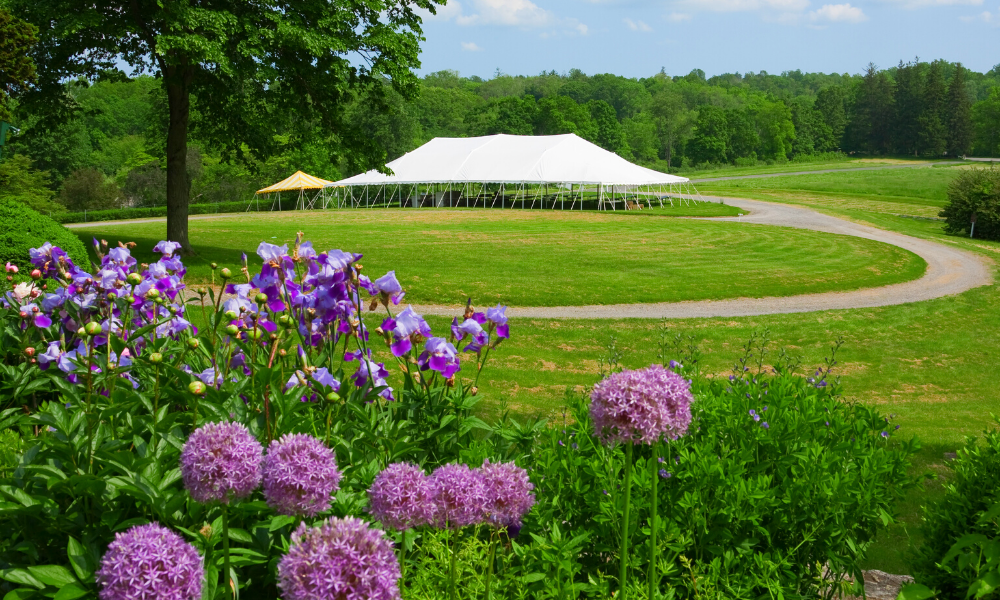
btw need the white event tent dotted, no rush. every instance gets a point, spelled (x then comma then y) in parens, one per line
(511, 170)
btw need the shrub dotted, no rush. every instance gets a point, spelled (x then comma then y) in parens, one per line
(958, 527)
(21, 182)
(119, 214)
(21, 228)
(88, 189)
(974, 192)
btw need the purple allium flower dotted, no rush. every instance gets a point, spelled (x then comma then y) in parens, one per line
(459, 496)
(508, 494)
(341, 559)
(642, 405)
(300, 474)
(150, 562)
(402, 497)
(221, 461)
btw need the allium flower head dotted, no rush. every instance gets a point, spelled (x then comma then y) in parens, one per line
(342, 559)
(402, 497)
(508, 494)
(642, 405)
(221, 461)
(300, 474)
(150, 562)
(459, 495)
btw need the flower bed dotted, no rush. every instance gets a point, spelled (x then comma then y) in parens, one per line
(289, 449)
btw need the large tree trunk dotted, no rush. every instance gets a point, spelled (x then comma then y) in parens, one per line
(178, 82)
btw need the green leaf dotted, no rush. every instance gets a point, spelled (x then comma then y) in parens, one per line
(21, 576)
(71, 592)
(240, 535)
(280, 521)
(19, 594)
(56, 575)
(915, 591)
(78, 558)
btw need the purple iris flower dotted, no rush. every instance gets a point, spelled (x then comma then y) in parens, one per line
(67, 360)
(306, 250)
(369, 369)
(51, 355)
(497, 316)
(338, 259)
(386, 286)
(121, 257)
(470, 327)
(39, 318)
(211, 376)
(166, 247)
(440, 356)
(323, 377)
(271, 253)
(406, 328)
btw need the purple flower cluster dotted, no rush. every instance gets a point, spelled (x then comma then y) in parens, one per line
(221, 462)
(150, 562)
(644, 405)
(459, 495)
(508, 494)
(341, 559)
(402, 497)
(300, 474)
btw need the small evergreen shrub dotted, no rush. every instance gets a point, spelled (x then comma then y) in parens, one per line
(974, 192)
(961, 528)
(22, 228)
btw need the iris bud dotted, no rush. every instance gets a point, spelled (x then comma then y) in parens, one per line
(232, 329)
(112, 296)
(92, 328)
(254, 334)
(196, 387)
(226, 273)
(81, 332)
(130, 298)
(333, 396)
(193, 343)
(260, 298)
(134, 278)
(153, 293)
(214, 266)
(156, 358)
(231, 315)
(284, 320)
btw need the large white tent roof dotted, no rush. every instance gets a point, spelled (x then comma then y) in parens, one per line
(513, 159)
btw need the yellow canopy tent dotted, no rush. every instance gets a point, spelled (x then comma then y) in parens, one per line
(298, 182)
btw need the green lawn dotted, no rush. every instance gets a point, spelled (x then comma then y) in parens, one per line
(794, 167)
(551, 258)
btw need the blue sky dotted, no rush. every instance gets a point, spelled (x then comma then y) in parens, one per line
(636, 38)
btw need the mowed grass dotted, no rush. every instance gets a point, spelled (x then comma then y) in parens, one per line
(550, 258)
(844, 163)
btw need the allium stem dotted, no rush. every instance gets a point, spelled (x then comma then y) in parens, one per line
(453, 535)
(225, 549)
(489, 568)
(653, 510)
(622, 577)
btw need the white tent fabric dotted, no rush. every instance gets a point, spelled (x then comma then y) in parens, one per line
(513, 159)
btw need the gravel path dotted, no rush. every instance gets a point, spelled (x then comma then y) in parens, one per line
(949, 271)
(821, 171)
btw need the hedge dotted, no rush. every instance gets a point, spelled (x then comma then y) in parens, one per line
(22, 228)
(121, 214)
(974, 192)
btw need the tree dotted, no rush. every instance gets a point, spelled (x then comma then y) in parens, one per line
(909, 102)
(88, 189)
(21, 182)
(986, 117)
(775, 130)
(245, 66)
(711, 136)
(561, 114)
(933, 133)
(17, 70)
(610, 134)
(743, 138)
(959, 113)
(871, 117)
(830, 102)
(673, 119)
(512, 115)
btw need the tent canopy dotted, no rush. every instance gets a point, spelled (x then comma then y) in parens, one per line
(298, 181)
(513, 159)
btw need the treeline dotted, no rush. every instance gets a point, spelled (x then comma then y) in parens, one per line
(110, 153)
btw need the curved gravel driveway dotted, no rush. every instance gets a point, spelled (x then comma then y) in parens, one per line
(949, 271)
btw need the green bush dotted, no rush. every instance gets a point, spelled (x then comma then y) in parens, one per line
(22, 228)
(957, 528)
(974, 192)
(120, 214)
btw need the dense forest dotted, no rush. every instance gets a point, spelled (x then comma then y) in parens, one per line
(109, 152)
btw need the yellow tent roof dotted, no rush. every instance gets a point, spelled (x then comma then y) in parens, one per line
(298, 181)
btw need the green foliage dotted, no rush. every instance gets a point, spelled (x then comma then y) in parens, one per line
(121, 214)
(17, 70)
(960, 553)
(975, 192)
(21, 228)
(88, 189)
(986, 119)
(21, 182)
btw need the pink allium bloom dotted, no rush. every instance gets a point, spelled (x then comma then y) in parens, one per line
(342, 559)
(641, 406)
(402, 497)
(300, 474)
(221, 461)
(150, 562)
(459, 496)
(508, 494)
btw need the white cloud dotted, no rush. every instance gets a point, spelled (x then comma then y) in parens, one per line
(471, 47)
(580, 28)
(838, 13)
(518, 13)
(747, 5)
(926, 3)
(676, 17)
(636, 25)
(986, 17)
